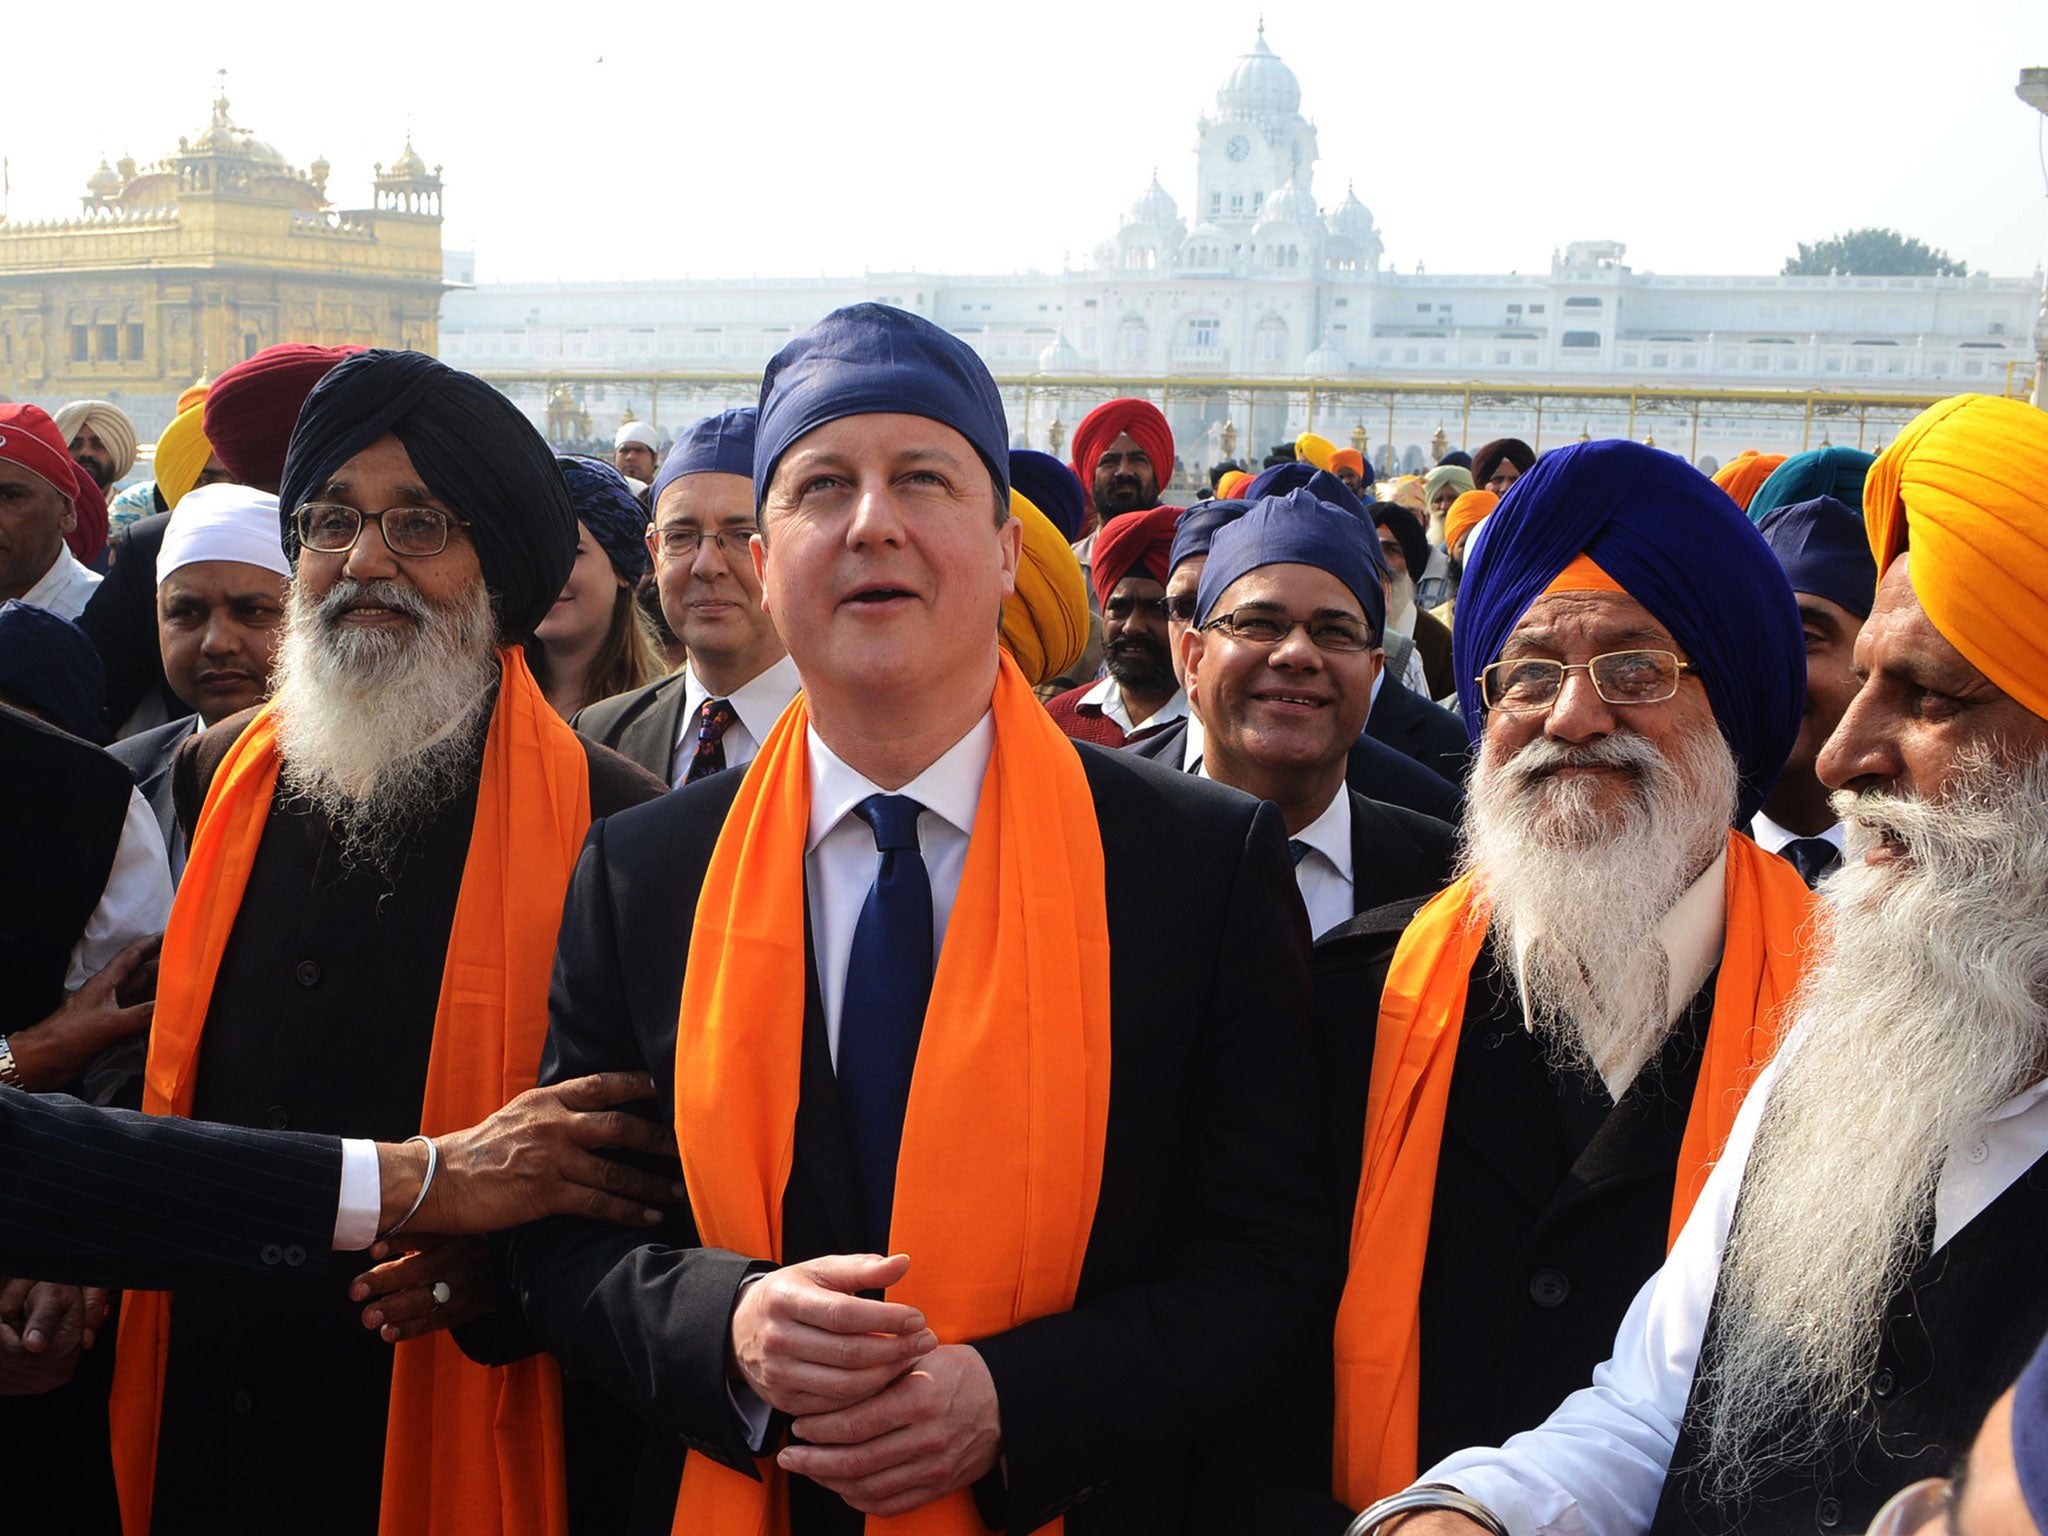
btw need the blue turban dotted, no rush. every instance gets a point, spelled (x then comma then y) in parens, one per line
(606, 505)
(1051, 487)
(1298, 529)
(1825, 550)
(47, 664)
(2030, 1435)
(1319, 483)
(1678, 545)
(474, 449)
(1198, 527)
(1836, 472)
(869, 359)
(717, 445)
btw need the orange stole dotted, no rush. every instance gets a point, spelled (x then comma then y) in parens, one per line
(1001, 1160)
(1379, 1327)
(469, 1450)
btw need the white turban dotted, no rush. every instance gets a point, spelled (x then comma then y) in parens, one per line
(637, 432)
(223, 522)
(110, 424)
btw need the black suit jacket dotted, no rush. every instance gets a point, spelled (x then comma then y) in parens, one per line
(120, 620)
(1397, 856)
(149, 755)
(1208, 1274)
(643, 725)
(107, 1197)
(1377, 771)
(1420, 728)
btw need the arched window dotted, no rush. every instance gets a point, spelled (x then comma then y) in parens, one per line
(1133, 342)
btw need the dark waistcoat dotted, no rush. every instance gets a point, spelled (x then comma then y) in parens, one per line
(1958, 1334)
(1553, 1204)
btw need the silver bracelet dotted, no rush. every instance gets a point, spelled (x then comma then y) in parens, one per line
(10, 1074)
(1425, 1496)
(427, 1183)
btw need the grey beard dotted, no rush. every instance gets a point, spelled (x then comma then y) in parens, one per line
(1925, 1015)
(380, 729)
(1578, 893)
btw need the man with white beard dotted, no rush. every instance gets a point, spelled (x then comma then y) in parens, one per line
(377, 866)
(1861, 1278)
(1564, 1033)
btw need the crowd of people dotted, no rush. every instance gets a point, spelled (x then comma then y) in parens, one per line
(836, 974)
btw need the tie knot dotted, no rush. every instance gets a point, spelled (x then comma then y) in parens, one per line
(1297, 850)
(893, 818)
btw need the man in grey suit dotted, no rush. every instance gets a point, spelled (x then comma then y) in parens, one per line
(714, 712)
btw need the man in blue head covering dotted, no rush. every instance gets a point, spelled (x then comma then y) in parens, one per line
(1826, 555)
(838, 1038)
(715, 711)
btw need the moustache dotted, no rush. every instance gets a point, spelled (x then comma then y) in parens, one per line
(347, 593)
(1543, 757)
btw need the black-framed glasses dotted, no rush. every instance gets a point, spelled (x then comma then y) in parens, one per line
(1531, 684)
(1123, 605)
(1327, 632)
(676, 543)
(1180, 607)
(415, 532)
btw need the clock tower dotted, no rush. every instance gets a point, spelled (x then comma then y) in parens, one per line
(1254, 143)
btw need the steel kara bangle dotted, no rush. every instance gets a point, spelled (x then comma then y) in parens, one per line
(1422, 1496)
(427, 1183)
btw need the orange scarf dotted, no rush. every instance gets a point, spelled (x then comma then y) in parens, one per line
(1379, 1323)
(1002, 1141)
(469, 1450)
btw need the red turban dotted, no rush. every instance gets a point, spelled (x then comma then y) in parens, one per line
(1136, 544)
(29, 438)
(88, 535)
(252, 408)
(1109, 421)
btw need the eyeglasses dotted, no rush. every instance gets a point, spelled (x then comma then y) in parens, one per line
(1123, 606)
(1257, 627)
(414, 532)
(683, 543)
(1180, 607)
(1529, 686)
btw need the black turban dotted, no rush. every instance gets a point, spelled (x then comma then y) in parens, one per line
(472, 447)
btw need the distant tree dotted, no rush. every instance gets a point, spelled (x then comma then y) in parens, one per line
(1872, 253)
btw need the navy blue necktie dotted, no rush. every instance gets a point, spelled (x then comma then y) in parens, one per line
(1814, 857)
(888, 984)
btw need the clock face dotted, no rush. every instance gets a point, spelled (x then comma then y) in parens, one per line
(1238, 147)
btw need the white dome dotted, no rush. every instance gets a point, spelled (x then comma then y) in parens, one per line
(1325, 362)
(1061, 356)
(1260, 83)
(1155, 206)
(1352, 219)
(1291, 205)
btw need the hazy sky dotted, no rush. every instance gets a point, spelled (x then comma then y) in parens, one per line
(674, 140)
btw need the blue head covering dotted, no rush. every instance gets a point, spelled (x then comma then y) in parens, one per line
(1297, 529)
(1051, 487)
(717, 445)
(869, 359)
(2030, 1435)
(47, 663)
(1319, 483)
(1679, 546)
(1825, 549)
(1836, 472)
(606, 505)
(1198, 527)
(474, 449)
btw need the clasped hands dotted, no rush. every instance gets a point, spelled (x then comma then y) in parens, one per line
(888, 1418)
(44, 1331)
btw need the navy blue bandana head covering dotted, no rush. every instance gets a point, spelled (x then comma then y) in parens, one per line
(1678, 545)
(1051, 487)
(474, 449)
(1319, 483)
(717, 445)
(1298, 529)
(48, 665)
(870, 359)
(2030, 1435)
(1836, 472)
(606, 505)
(1198, 527)
(1825, 550)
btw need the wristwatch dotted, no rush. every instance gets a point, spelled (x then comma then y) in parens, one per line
(10, 1074)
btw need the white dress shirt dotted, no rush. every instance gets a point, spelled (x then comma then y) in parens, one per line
(1772, 838)
(1323, 874)
(758, 702)
(1596, 1466)
(136, 901)
(64, 587)
(1109, 698)
(1191, 745)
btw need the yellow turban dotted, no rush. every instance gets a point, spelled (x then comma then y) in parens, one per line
(181, 453)
(1045, 621)
(1965, 487)
(1228, 488)
(1309, 448)
(1467, 513)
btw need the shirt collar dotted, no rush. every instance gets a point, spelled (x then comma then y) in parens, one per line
(1330, 833)
(1108, 699)
(63, 571)
(759, 701)
(1772, 838)
(949, 788)
(1191, 745)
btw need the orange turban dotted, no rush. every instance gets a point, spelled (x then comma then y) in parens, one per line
(1348, 458)
(1965, 488)
(1467, 513)
(194, 394)
(1228, 487)
(1744, 476)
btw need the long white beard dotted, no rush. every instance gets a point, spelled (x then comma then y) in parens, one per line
(1578, 892)
(377, 728)
(1925, 1016)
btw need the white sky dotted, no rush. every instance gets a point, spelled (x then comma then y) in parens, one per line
(686, 139)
